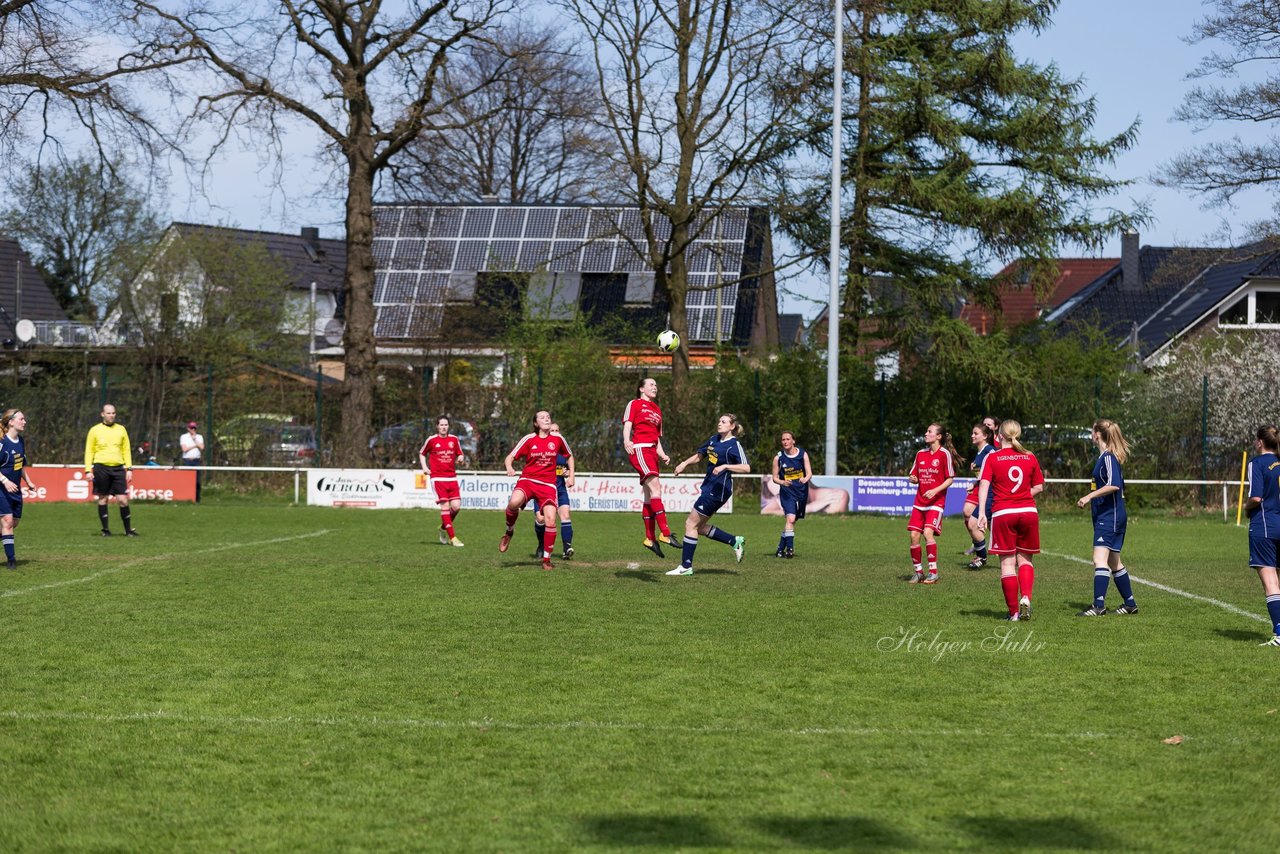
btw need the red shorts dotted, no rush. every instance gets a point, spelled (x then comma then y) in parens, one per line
(645, 461)
(535, 490)
(971, 497)
(446, 490)
(1014, 531)
(926, 517)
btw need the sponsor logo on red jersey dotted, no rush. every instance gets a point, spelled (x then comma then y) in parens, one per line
(539, 453)
(646, 420)
(932, 468)
(442, 453)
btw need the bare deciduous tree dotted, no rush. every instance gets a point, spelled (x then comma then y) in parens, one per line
(58, 63)
(1249, 31)
(691, 92)
(532, 135)
(367, 77)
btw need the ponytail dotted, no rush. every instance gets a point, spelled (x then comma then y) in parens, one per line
(1109, 432)
(737, 428)
(6, 418)
(1009, 432)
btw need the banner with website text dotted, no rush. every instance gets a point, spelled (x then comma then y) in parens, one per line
(382, 489)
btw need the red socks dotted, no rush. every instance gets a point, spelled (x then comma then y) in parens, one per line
(548, 540)
(660, 516)
(1009, 584)
(915, 556)
(647, 514)
(1026, 578)
(512, 516)
(931, 550)
(446, 522)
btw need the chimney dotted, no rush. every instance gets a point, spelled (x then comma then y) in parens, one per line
(1130, 264)
(311, 242)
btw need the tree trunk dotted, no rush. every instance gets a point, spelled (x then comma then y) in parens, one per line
(360, 358)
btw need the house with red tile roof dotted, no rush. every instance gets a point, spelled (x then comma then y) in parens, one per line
(1018, 301)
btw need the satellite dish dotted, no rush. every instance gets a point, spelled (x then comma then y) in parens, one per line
(333, 332)
(26, 330)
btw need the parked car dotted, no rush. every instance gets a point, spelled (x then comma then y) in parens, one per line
(241, 440)
(399, 444)
(286, 445)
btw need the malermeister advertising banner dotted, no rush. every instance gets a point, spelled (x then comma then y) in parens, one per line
(381, 489)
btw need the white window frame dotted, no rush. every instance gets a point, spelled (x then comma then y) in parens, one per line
(1250, 312)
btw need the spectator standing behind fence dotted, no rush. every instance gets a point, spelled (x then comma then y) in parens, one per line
(192, 444)
(106, 457)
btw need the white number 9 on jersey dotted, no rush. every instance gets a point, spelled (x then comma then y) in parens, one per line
(1015, 475)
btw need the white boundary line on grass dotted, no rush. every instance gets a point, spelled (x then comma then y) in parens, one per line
(1226, 606)
(516, 726)
(153, 558)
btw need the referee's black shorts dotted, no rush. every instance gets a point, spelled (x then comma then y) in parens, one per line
(109, 480)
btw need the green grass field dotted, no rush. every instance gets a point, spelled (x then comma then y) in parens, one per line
(267, 677)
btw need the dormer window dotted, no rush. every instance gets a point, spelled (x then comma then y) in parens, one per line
(1257, 308)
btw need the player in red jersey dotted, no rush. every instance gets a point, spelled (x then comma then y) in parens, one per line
(439, 460)
(642, 441)
(1012, 477)
(933, 471)
(537, 481)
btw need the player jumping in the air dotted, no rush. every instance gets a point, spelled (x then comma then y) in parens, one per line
(642, 441)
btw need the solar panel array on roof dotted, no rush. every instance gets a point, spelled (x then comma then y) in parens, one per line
(425, 255)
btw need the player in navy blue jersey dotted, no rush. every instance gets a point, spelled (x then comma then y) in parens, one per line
(725, 458)
(564, 469)
(1263, 508)
(981, 436)
(1105, 500)
(792, 472)
(13, 472)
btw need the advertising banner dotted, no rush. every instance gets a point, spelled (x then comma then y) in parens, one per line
(890, 495)
(150, 483)
(380, 489)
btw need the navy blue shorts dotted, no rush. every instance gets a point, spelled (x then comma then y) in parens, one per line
(1109, 536)
(1262, 550)
(11, 502)
(794, 500)
(710, 501)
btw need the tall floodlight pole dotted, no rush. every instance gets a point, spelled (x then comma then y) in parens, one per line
(833, 302)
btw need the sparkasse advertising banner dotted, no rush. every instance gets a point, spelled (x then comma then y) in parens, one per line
(150, 483)
(387, 488)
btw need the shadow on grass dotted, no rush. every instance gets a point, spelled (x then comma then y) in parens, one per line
(832, 833)
(665, 831)
(650, 575)
(716, 572)
(990, 613)
(1004, 832)
(1240, 635)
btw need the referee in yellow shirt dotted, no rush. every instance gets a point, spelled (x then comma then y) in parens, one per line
(107, 458)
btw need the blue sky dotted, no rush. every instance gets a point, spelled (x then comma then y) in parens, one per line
(1130, 54)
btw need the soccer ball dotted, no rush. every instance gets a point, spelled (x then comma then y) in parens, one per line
(668, 342)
